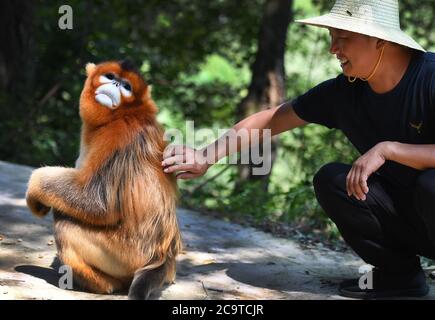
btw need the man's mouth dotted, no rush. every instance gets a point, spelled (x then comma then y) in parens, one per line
(343, 62)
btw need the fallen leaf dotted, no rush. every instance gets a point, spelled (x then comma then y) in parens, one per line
(50, 243)
(8, 242)
(209, 261)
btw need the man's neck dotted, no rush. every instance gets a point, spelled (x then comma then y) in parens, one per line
(392, 68)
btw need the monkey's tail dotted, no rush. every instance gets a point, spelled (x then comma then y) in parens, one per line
(146, 281)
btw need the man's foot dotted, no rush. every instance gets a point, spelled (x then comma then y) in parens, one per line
(386, 285)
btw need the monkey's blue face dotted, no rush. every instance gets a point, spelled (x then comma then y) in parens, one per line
(111, 90)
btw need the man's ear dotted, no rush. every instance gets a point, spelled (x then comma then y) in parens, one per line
(90, 67)
(380, 43)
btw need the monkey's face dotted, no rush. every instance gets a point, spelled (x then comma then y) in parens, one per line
(113, 89)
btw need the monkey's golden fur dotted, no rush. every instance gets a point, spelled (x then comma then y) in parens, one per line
(114, 214)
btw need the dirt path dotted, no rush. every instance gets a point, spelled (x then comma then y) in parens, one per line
(221, 260)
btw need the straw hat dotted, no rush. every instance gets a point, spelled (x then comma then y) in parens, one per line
(376, 18)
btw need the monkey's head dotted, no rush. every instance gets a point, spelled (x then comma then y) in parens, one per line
(113, 90)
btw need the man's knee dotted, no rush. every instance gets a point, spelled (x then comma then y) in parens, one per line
(425, 188)
(424, 196)
(425, 201)
(330, 176)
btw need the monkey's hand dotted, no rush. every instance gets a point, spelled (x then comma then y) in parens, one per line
(59, 188)
(36, 207)
(36, 197)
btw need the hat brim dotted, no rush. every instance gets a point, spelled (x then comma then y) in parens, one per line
(331, 20)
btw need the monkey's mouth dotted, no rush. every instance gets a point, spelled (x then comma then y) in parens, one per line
(105, 100)
(108, 97)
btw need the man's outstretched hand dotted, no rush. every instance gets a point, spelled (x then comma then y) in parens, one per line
(186, 162)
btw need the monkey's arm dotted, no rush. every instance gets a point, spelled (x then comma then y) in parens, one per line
(58, 188)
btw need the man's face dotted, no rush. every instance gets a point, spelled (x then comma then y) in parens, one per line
(356, 52)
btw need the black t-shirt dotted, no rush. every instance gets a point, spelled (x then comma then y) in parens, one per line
(405, 114)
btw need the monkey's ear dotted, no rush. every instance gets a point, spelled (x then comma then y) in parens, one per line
(90, 67)
(147, 93)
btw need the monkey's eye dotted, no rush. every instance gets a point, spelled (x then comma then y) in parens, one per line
(126, 85)
(110, 76)
(126, 89)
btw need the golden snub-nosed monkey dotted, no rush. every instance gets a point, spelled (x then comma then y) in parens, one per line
(114, 214)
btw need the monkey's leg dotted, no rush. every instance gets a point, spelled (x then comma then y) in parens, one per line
(145, 282)
(86, 276)
(170, 271)
(59, 188)
(84, 250)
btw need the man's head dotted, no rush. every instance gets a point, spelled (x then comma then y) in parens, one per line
(365, 22)
(356, 52)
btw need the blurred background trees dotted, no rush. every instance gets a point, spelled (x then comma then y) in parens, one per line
(208, 61)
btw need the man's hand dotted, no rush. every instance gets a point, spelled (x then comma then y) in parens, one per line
(188, 162)
(363, 167)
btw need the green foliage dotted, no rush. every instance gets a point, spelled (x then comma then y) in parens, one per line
(169, 40)
(301, 152)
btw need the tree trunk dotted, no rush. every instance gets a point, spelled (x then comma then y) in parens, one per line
(267, 88)
(15, 25)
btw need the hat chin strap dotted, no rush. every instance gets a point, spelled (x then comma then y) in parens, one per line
(353, 79)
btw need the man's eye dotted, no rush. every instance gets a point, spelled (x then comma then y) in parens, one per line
(110, 76)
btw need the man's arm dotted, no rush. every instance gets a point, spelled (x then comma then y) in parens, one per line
(278, 119)
(191, 162)
(417, 156)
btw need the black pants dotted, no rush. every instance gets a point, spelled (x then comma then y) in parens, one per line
(391, 228)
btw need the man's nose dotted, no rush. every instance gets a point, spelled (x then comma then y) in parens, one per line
(333, 48)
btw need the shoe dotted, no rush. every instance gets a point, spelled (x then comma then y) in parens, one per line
(386, 285)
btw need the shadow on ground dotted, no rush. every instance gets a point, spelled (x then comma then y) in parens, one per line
(221, 260)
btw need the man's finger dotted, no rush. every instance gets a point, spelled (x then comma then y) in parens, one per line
(179, 167)
(348, 177)
(351, 187)
(359, 180)
(355, 183)
(363, 182)
(178, 159)
(168, 151)
(173, 150)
